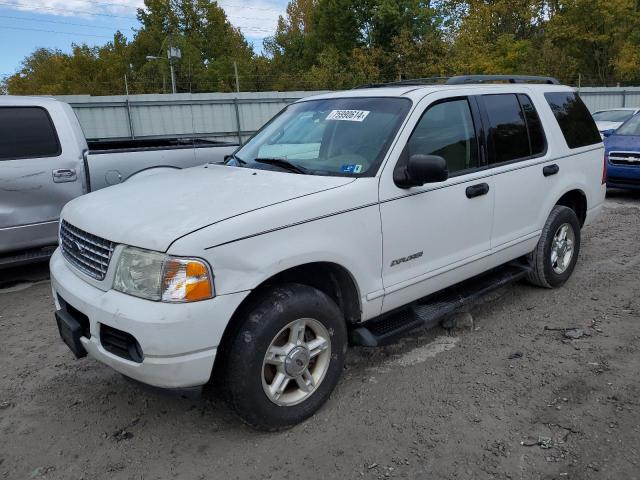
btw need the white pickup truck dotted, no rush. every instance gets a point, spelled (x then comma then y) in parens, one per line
(354, 215)
(45, 161)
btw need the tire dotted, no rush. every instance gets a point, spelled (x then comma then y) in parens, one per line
(545, 272)
(269, 324)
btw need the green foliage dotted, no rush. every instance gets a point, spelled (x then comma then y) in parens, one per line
(333, 44)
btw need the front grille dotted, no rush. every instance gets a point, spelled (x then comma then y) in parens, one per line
(625, 158)
(87, 252)
(121, 344)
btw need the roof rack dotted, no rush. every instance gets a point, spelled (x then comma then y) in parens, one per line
(405, 83)
(464, 79)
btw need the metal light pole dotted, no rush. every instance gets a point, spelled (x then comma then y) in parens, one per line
(172, 54)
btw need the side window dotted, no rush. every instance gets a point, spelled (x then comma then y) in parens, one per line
(27, 132)
(508, 136)
(576, 123)
(534, 125)
(446, 129)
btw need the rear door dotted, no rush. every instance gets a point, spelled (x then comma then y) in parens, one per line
(523, 175)
(37, 178)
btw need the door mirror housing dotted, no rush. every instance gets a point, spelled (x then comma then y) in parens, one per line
(608, 133)
(421, 169)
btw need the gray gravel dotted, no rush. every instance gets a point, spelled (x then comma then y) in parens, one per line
(505, 399)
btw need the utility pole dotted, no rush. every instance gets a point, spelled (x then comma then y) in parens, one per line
(173, 73)
(126, 89)
(172, 54)
(235, 69)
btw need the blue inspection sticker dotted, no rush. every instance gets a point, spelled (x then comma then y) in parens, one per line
(351, 168)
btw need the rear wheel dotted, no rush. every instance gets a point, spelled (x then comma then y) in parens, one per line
(556, 254)
(286, 358)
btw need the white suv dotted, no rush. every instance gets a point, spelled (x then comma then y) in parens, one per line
(354, 216)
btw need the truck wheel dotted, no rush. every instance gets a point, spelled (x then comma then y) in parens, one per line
(556, 254)
(286, 358)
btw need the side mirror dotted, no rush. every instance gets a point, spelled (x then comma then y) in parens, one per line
(421, 169)
(608, 133)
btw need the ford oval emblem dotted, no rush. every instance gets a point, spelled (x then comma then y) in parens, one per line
(76, 247)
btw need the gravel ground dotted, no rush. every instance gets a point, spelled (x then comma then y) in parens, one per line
(505, 399)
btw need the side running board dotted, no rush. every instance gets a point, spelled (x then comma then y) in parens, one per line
(429, 311)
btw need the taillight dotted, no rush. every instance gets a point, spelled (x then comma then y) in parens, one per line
(604, 168)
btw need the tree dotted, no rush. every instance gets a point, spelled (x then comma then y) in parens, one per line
(89, 70)
(601, 37)
(320, 44)
(207, 40)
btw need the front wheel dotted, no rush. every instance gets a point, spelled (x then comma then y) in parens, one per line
(555, 256)
(286, 358)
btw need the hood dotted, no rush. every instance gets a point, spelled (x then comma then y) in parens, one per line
(625, 143)
(603, 126)
(154, 211)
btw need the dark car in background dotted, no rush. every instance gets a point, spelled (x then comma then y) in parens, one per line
(622, 149)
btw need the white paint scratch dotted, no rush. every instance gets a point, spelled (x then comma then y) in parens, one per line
(423, 353)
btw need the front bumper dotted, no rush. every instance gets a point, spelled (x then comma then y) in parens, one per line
(178, 341)
(622, 176)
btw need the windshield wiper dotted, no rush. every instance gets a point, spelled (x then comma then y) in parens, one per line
(238, 160)
(284, 164)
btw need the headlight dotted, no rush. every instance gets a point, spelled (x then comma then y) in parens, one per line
(159, 277)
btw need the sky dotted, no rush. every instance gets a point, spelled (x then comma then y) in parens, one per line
(29, 24)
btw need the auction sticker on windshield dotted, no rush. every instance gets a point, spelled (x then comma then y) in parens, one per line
(348, 115)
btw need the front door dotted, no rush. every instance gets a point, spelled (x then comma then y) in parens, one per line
(36, 178)
(432, 230)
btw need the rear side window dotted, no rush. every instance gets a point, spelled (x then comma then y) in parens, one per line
(508, 135)
(515, 129)
(575, 121)
(537, 139)
(27, 132)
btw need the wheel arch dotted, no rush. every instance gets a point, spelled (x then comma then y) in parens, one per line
(576, 200)
(331, 278)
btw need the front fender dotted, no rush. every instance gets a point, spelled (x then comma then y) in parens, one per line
(352, 240)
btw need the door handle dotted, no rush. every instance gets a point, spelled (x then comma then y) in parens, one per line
(477, 190)
(62, 175)
(550, 170)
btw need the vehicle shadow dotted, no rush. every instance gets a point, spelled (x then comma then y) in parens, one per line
(623, 195)
(14, 277)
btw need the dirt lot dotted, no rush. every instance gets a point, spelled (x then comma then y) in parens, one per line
(508, 399)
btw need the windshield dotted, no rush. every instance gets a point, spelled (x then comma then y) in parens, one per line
(613, 116)
(337, 136)
(632, 127)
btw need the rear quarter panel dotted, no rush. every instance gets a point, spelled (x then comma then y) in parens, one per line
(580, 168)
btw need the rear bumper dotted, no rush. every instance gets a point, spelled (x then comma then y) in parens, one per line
(594, 212)
(178, 341)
